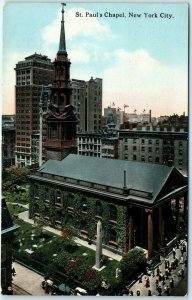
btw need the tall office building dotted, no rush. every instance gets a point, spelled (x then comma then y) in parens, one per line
(87, 100)
(36, 70)
(8, 140)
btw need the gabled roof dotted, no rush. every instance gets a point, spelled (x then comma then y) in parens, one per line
(6, 220)
(145, 177)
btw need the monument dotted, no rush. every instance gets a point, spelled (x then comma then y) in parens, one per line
(99, 245)
(98, 263)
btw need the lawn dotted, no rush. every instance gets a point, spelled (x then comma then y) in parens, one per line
(15, 209)
(57, 256)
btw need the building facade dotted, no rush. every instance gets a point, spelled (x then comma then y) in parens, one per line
(160, 145)
(7, 234)
(36, 70)
(97, 145)
(87, 100)
(89, 144)
(133, 201)
(8, 141)
(109, 147)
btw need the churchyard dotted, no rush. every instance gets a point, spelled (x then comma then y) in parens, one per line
(60, 258)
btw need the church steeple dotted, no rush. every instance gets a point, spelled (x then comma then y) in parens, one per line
(62, 45)
(61, 119)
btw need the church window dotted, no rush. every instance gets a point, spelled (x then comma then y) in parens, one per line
(53, 131)
(99, 208)
(70, 201)
(84, 204)
(112, 235)
(84, 225)
(113, 213)
(57, 197)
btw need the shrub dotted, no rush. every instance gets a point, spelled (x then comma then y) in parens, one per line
(133, 263)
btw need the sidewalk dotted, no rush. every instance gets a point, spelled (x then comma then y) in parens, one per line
(24, 217)
(28, 280)
(152, 280)
(137, 285)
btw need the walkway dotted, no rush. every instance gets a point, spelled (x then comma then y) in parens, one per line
(137, 285)
(28, 280)
(174, 274)
(24, 217)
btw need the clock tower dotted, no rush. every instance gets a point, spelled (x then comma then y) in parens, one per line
(61, 119)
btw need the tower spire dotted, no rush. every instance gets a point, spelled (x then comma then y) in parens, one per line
(62, 45)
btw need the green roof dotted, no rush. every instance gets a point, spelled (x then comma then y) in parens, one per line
(146, 177)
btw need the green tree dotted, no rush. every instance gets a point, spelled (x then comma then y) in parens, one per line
(13, 177)
(133, 263)
(91, 281)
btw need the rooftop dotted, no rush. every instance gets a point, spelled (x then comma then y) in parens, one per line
(147, 178)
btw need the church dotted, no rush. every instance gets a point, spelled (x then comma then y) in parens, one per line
(137, 203)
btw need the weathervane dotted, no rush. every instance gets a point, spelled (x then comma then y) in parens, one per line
(63, 4)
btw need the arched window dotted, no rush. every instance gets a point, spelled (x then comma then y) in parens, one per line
(46, 194)
(57, 197)
(84, 225)
(53, 130)
(69, 220)
(70, 201)
(35, 190)
(99, 208)
(113, 213)
(84, 204)
(112, 236)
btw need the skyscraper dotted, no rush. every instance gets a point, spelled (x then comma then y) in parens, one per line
(87, 100)
(36, 70)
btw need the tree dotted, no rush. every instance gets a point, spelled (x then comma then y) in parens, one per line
(13, 177)
(133, 263)
(91, 280)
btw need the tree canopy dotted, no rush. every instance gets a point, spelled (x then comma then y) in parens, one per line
(133, 263)
(13, 177)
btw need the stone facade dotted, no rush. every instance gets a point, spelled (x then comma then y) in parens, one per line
(36, 70)
(87, 100)
(155, 145)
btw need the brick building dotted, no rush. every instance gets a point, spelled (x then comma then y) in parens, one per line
(36, 70)
(160, 145)
(87, 100)
(8, 141)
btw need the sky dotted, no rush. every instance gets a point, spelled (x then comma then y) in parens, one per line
(141, 56)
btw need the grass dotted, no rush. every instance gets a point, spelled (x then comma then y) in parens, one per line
(17, 197)
(15, 209)
(50, 244)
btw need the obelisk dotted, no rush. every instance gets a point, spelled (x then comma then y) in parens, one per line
(99, 245)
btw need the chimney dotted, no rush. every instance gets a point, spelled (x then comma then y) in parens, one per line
(150, 116)
(125, 179)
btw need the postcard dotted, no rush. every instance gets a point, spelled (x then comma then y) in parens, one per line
(95, 149)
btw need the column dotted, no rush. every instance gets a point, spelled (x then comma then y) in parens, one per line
(161, 226)
(177, 215)
(142, 226)
(185, 206)
(130, 232)
(150, 234)
(129, 229)
(58, 131)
